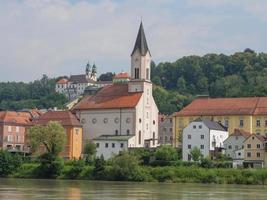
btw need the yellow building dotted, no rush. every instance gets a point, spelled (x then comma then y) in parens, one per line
(249, 114)
(73, 129)
(255, 151)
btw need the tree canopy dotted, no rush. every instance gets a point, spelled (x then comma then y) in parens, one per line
(52, 136)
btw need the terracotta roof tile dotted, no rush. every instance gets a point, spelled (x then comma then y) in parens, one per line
(110, 97)
(62, 81)
(225, 106)
(240, 132)
(13, 117)
(65, 118)
(122, 75)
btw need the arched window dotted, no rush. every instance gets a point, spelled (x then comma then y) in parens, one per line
(128, 132)
(116, 132)
(154, 138)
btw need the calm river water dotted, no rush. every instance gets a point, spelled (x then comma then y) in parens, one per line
(21, 189)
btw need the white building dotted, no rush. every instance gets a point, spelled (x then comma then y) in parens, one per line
(74, 86)
(204, 134)
(110, 145)
(124, 108)
(234, 147)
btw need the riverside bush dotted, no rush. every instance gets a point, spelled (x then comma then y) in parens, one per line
(73, 169)
(8, 163)
(27, 170)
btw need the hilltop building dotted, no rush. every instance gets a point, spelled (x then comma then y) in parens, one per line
(75, 85)
(126, 108)
(249, 114)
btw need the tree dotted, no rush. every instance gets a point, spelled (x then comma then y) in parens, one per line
(195, 154)
(107, 76)
(8, 163)
(90, 151)
(99, 168)
(166, 153)
(52, 136)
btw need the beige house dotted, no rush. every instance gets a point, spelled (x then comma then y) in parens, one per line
(255, 151)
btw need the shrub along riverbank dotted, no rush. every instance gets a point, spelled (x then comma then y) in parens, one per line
(126, 167)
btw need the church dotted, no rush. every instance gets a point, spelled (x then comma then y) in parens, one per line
(123, 115)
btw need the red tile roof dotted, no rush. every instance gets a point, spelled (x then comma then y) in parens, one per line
(65, 118)
(225, 106)
(110, 97)
(12, 117)
(122, 75)
(62, 81)
(240, 132)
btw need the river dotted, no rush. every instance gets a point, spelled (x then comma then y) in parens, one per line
(25, 189)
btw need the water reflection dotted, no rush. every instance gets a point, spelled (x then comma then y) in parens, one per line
(21, 189)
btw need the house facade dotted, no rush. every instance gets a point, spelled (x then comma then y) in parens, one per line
(206, 135)
(124, 108)
(248, 114)
(165, 130)
(233, 145)
(73, 130)
(255, 151)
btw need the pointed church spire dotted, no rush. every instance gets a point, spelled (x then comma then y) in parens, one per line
(140, 42)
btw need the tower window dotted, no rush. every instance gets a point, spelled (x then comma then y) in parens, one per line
(139, 137)
(136, 73)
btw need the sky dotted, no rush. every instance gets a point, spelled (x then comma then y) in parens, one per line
(58, 37)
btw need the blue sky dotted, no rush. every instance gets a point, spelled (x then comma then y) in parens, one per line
(57, 37)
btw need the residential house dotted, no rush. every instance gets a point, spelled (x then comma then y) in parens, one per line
(234, 147)
(255, 151)
(125, 108)
(248, 113)
(73, 129)
(165, 130)
(12, 130)
(206, 135)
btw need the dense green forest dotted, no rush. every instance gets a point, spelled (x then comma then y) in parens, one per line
(175, 84)
(217, 75)
(36, 94)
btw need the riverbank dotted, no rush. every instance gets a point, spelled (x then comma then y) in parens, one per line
(191, 174)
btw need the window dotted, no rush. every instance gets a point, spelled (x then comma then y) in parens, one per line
(154, 122)
(128, 132)
(106, 145)
(140, 120)
(200, 126)
(188, 157)
(10, 138)
(248, 154)
(128, 120)
(170, 129)
(94, 120)
(9, 129)
(241, 123)
(189, 146)
(171, 138)
(249, 146)
(189, 137)
(258, 154)
(258, 146)
(97, 145)
(113, 145)
(105, 120)
(147, 73)
(236, 147)
(139, 137)
(239, 154)
(136, 73)
(17, 129)
(194, 127)
(265, 122)
(202, 146)
(202, 136)
(154, 137)
(146, 126)
(229, 147)
(171, 121)
(116, 132)
(258, 123)
(121, 145)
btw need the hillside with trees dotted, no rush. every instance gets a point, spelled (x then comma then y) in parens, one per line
(242, 74)
(37, 94)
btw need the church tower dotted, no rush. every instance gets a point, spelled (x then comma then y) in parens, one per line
(140, 63)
